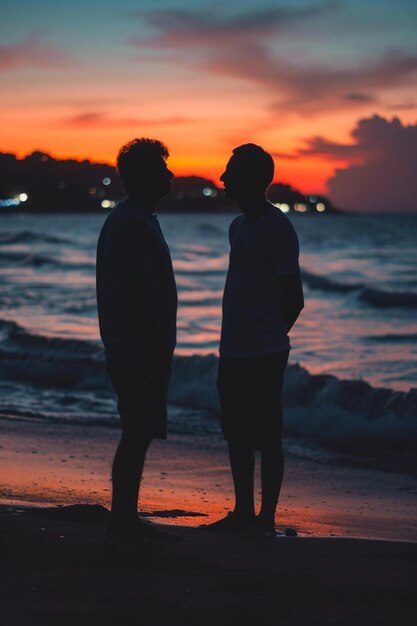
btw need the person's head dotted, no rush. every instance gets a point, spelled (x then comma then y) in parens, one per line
(248, 173)
(141, 164)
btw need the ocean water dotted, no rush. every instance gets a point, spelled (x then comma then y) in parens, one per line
(353, 364)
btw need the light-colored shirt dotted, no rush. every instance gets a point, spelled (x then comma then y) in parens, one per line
(261, 250)
(136, 291)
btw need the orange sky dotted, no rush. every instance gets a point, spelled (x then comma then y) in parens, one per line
(199, 147)
(79, 81)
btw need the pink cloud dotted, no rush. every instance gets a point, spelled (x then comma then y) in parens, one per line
(32, 52)
(241, 47)
(307, 88)
(98, 119)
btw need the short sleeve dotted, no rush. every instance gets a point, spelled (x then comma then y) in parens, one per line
(285, 249)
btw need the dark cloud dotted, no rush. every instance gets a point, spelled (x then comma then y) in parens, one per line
(86, 119)
(319, 146)
(386, 180)
(188, 27)
(402, 106)
(360, 97)
(285, 156)
(241, 47)
(32, 52)
(99, 119)
(309, 88)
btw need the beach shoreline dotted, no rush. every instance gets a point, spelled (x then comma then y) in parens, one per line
(46, 464)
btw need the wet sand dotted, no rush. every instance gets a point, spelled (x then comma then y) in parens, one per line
(54, 569)
(47, 464)
(57, 572)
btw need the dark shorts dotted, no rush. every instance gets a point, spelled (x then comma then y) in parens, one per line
(142, 391)
(250, 398)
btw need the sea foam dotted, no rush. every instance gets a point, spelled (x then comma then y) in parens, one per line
(320, 407)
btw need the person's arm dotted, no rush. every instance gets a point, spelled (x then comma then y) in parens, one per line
(292, 290)
(287, 270)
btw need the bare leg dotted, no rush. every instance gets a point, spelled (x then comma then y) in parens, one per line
(272, 471)
(242, 463)
(272, 456)
(127, 472)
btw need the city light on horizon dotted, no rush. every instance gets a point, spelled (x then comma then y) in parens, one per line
(288, 76)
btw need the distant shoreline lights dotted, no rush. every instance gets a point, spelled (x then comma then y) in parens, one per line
(300, 207)
(15, 201)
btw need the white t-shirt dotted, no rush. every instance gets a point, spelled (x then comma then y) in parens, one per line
(261, 250)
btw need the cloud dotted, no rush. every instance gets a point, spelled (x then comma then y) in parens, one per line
(242, 46)
(285, 156)
(310, 87)
(32, 52)
(99, 119)
(82, 102)
(360, 97)
(402, 106)
(187, 28)
(386, 180)
(321, 147)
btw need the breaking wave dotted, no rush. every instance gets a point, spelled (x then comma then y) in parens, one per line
(27, 236)
(26, 258)
(344, 414)
(49, 361)
(379, 298)
(392, 338)
(39, 260)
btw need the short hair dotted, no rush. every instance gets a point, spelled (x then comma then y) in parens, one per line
(137, 158)
(259, 163)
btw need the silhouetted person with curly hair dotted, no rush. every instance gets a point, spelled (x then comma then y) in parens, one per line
(137, 305)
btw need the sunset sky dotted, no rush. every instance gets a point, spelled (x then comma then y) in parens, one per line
(78, 79)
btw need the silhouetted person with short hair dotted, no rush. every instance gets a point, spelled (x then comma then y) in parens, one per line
(263, 297)
(137, 305)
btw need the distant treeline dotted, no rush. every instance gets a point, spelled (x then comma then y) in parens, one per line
(40, 183)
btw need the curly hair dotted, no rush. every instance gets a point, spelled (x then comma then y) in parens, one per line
(137, 158)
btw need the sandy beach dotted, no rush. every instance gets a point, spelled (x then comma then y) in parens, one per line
(353, 561)
(56, 572)
(46, 464)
